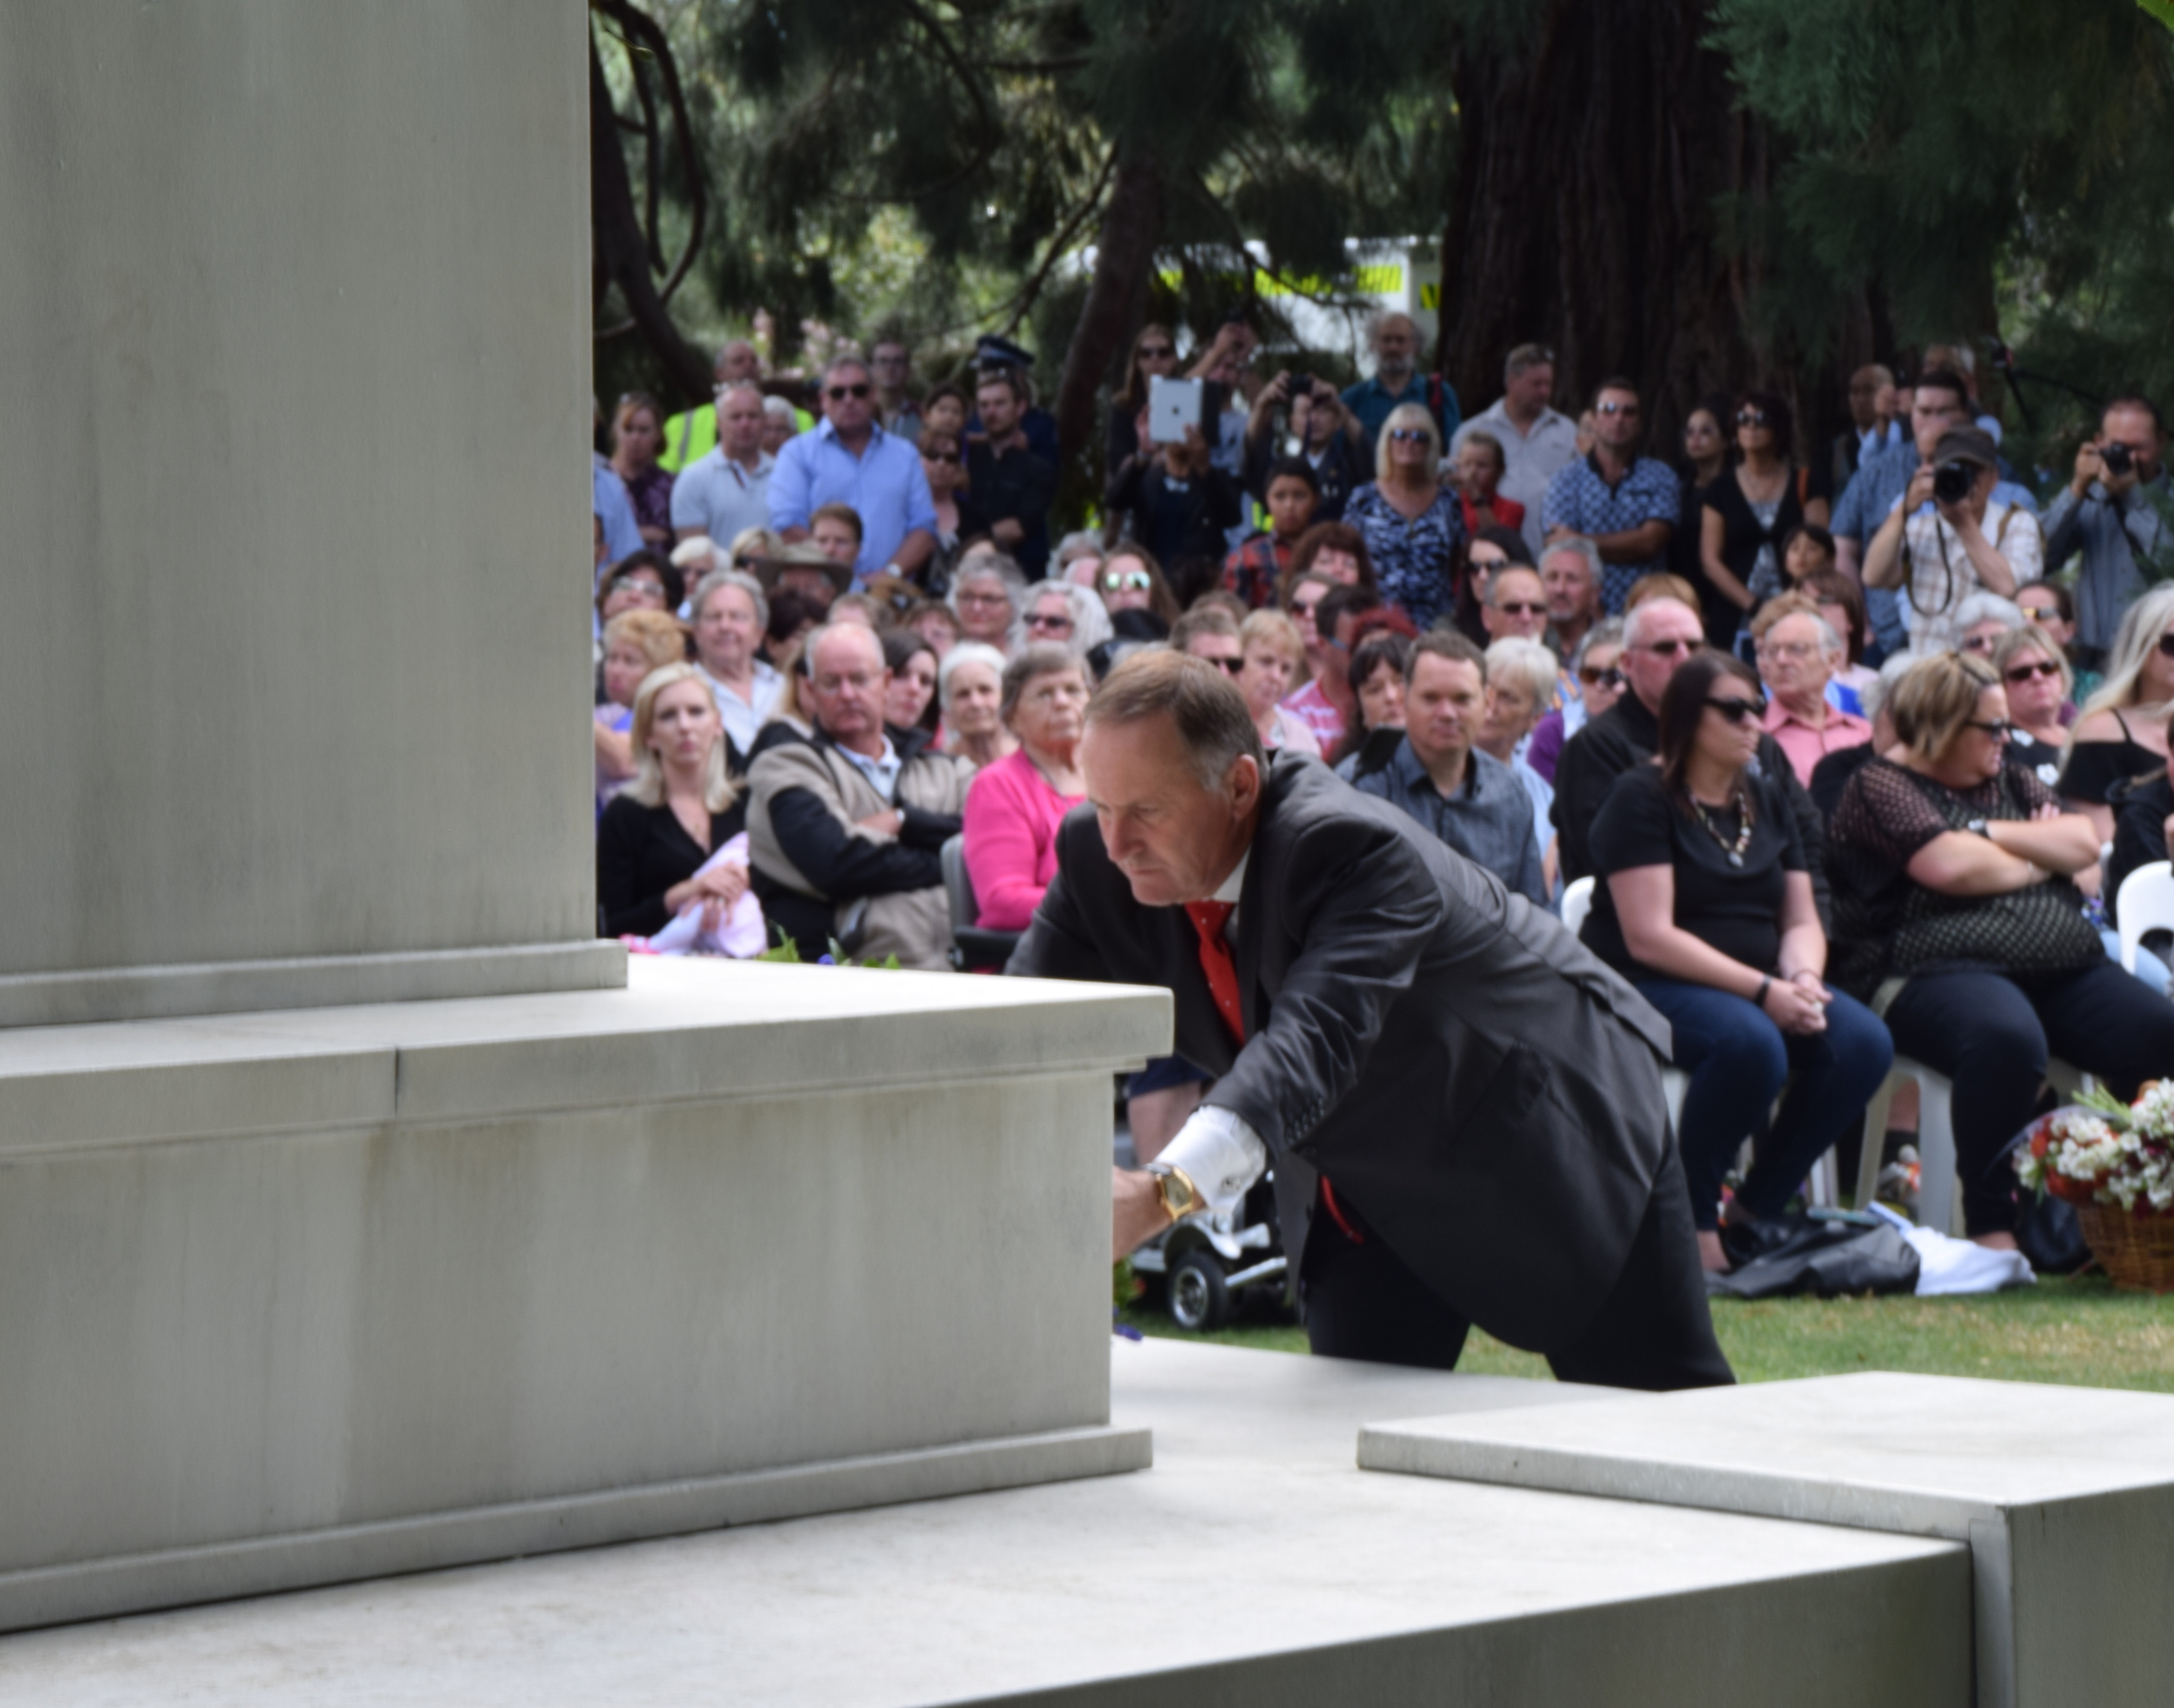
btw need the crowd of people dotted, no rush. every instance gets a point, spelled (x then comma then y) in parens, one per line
(1850, 744)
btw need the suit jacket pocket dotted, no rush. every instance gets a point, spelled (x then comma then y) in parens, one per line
(1487, 1111)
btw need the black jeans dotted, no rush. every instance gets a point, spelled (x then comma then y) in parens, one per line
(1653, 1330)
(1991, 1035)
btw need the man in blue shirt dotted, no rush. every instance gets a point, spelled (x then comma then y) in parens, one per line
(849, 460)
(614, 512)
(1437, 776)
(1626, 504)
(1394, 339)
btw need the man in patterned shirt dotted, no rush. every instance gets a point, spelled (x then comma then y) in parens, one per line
(1623, 502)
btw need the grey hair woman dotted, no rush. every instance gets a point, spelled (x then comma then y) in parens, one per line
(989, 594)
(969, 687)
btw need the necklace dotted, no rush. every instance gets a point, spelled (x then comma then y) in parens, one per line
(1733, 847)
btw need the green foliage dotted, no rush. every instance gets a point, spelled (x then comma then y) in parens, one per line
(2002, 166)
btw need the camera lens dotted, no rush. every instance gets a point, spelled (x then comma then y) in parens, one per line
(1951, 482)
(2118, 458)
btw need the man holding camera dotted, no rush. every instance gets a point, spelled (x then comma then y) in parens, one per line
(1321, 429)
(1947, 536)
(2107, 512)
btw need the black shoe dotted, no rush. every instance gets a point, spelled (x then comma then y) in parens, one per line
(1745, 1237)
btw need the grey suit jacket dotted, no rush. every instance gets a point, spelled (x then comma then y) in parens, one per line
(1484, 1091)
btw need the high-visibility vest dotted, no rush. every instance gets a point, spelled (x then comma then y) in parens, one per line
(695, 434)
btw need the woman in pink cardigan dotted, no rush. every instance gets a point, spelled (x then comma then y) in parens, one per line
(1015, 805)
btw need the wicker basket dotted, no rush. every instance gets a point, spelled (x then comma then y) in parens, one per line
(2136, 1251)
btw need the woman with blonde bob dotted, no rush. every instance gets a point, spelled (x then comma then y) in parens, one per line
(1271, 654)
(635, 643)
(683, 806)
(1412, 525)
(1957, 921)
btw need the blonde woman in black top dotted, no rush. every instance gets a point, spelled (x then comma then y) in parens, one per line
(1957, 920)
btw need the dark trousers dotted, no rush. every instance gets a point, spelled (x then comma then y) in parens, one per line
(1991, 1036)
(1652, 1331)
(1739, 1060)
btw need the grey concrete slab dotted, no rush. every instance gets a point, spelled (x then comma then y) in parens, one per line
(2064, 1495)
(335, 1292)
(1254, 1564)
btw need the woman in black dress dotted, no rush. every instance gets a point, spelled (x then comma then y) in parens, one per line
(2122, 733)
(1706, 904)
(1748, 511)
(681, 808)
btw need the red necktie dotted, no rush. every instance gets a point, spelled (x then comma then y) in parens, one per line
(1209, 919)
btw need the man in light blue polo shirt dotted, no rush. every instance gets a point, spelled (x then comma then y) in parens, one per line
(849, 460)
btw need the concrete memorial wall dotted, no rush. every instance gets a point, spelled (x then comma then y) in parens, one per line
(303, 1277)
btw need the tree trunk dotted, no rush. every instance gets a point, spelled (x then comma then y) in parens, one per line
(619, 249)
(1588, 208)
(1125, 249)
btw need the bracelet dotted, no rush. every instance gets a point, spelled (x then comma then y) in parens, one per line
(1766, 983)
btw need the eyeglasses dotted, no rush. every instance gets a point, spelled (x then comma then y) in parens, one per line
(1998, 729)
(1794, 652)
(1522, 608)
(1409, 434)
(2166, 646)
(1751, 417)
(1736, 711)
(1125, 581)
(1980, 643)
(1057, 622)
(1611, 677)
(2020, 673)
(1663, 649)
(1156, 352)
(1618, 409)
(628, 584)
(1233, 665)
(950, 457)
(983, 599)
(1305, 608)
(1495, 562)
(835, 392)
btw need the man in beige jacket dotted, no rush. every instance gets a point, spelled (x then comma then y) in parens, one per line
(846, 828)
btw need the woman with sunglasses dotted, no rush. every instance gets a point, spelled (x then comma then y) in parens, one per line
(2122, 732)
(1704, 902)
(1957, 920)
(2035, 674)
(1492, 550)
(1132, 580)
(958, 524)
(1748, 511)
(1599, 686)
(1413, 526)
(1060, 614)
(1154, 352)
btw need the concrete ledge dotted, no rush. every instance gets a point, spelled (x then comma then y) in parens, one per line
(2066, 1496)
(228, 987)
(183, 1577)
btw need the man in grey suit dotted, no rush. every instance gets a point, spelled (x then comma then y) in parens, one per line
(1463, 1107)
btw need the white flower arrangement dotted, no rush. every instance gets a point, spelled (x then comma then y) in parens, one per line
(2102, 1151)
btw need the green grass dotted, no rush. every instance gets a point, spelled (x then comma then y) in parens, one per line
(2077, 1332)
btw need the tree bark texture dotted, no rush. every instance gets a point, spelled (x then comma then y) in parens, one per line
(1597, 155)
(619, 248)
(1125, 252)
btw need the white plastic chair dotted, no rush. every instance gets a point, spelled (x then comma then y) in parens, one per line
(1939, 1205)
(2145, 903)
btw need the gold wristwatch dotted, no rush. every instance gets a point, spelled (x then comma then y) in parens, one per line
(1179, 1195)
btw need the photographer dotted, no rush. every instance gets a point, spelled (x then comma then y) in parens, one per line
(1321, 431)
(2107, 512)
(1945, 538)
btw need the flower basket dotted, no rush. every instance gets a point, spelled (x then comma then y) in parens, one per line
(2136, 1251)
(2115, 1163)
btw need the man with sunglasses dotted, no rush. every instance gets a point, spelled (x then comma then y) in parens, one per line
(1517, 607)
(1626, 504)
(851, 460)
(1658, 637)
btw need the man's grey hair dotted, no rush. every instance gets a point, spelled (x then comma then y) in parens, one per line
(1578, 545)
(1983, 607)
(1634, 625)
(1606, 632)
(838, 365)
(749, 386)
(739, 578)
(731, 344)
(1382, 318)
(826, 632)
(1830, 643)
(1526, 661)
(1213, 724)
(773, 405)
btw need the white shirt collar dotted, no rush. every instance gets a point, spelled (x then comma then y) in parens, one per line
(1234, 886)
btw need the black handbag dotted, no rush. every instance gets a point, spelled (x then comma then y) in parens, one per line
(1828, 1259)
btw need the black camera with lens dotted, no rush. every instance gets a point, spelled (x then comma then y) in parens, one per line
(1951, 482)
(1301, 386)
(2118, 458)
